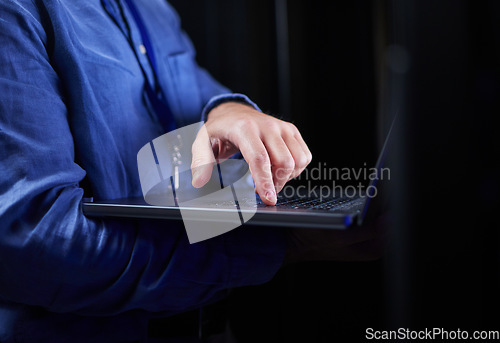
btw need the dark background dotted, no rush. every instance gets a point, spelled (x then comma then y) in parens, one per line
(345, 69)
(331, 92)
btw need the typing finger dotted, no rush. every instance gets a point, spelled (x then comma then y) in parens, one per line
(255, 153)
(282, 161)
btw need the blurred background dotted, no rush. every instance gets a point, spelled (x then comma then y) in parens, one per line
(309, 62)
(340, 70)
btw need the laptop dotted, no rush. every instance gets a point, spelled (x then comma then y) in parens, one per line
(326, 209)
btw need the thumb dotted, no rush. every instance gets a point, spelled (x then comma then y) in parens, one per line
(203, 158)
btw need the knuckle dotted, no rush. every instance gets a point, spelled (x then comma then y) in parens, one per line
(261, 158)
(266, 184)
(288, 164)
(293, 132)
(284, 168)
(292, 127)
(309, 157)
(247, 124)
(285, 162)
(272, 124)
(302, 161)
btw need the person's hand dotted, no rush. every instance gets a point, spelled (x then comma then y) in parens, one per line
(273, 149)
(363, 243)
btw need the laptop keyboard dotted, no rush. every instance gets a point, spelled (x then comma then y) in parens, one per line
(304, 203)
(313, 203)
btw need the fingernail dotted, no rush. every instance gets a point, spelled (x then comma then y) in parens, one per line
(270, 196)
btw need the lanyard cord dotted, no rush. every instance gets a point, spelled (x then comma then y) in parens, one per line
(159, 104)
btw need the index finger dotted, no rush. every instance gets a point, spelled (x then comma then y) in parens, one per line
(257, 157)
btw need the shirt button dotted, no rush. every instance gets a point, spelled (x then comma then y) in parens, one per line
(142, 49)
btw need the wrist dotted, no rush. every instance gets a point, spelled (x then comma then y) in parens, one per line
(231, 108)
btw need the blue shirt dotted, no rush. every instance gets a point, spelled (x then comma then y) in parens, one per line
(73, 115)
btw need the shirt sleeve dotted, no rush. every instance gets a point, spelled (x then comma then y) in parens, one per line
(222, 98)
(51, 255)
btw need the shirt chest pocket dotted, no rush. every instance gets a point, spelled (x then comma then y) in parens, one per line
(182, 88)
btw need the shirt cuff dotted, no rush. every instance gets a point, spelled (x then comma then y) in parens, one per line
(222, 98)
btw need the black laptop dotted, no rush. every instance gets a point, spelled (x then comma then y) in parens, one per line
(328, 210)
